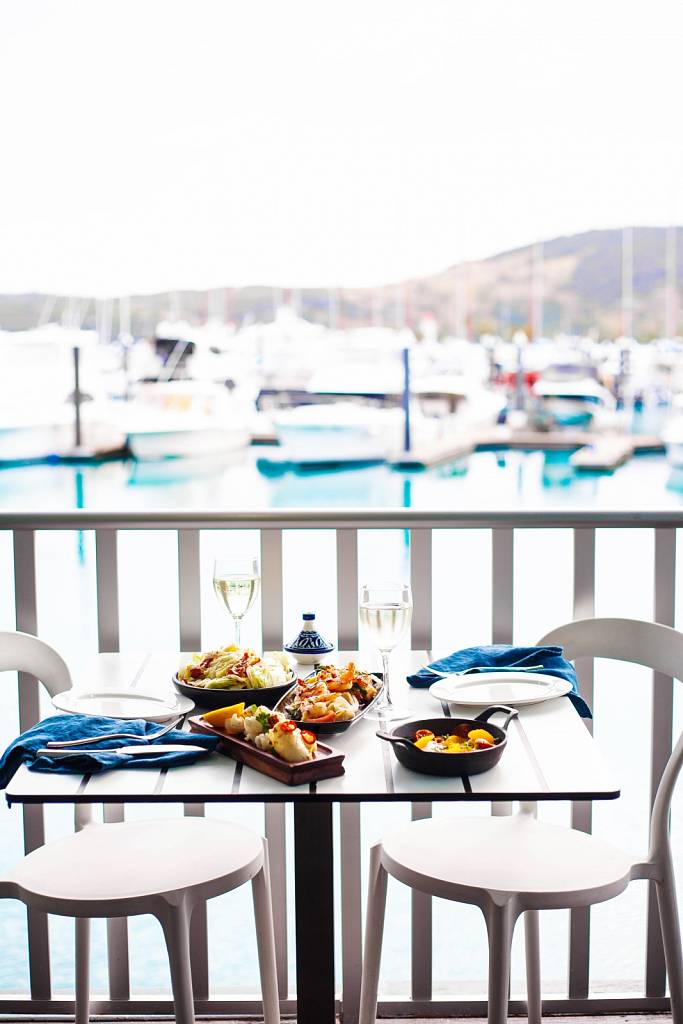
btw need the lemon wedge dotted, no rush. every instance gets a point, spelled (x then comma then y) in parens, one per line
(221, 715)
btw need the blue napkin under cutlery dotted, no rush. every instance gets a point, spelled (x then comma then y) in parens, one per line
(23, 750)
(549, 661)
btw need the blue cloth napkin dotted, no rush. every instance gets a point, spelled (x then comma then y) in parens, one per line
(73, 727)
(501, 658)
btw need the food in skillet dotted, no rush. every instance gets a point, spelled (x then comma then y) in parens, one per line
(462, 740)
(268, 730)
(238, 668)
(332, 695)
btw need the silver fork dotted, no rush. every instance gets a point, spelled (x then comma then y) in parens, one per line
(56, 744)
(480, 668)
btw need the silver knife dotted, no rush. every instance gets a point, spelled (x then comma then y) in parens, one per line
(142, 750)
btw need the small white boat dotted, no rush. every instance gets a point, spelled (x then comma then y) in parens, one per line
(336, 432)
(580, 402)
(184, 419)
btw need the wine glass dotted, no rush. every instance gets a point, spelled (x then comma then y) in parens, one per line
(236, 582)
(386, 610)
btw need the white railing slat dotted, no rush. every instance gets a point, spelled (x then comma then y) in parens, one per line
(26, 617)
(276, 834)
(199, 931)
(271, 589)
(107, 587)
(582, 816)
(351, 909)
(106, 562)
(117, 933)
(421, 928)
(660, 740)
(502, 584)
(189, 591)
(347, 590)
(421, 584)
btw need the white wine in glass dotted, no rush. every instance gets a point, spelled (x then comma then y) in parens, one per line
(236, 582)
(385, 611)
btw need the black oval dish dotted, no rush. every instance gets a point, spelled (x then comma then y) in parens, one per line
(329, 728)
(431, 763)
(220, 698)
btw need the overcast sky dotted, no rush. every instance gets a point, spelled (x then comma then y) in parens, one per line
(155, 144)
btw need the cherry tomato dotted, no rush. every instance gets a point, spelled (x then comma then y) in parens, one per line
(423, 732)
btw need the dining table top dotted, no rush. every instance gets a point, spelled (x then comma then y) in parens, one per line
(550, 753)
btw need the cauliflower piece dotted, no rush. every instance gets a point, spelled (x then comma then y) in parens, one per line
(252, 728)
(263, 742)
(234, 725)
(289, 744)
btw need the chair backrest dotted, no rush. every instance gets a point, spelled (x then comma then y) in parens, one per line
(22, 652)
(643, 643)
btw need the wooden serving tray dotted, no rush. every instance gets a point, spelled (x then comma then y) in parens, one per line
(326, 764)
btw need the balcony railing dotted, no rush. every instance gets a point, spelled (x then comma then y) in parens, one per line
(420, 530)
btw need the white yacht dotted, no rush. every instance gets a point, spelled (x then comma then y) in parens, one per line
(580, 402)
(184, 419)
(343, 432)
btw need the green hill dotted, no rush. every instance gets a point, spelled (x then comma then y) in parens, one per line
(581, 291)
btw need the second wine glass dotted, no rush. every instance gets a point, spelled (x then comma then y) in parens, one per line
(385, 611)
(236, 582)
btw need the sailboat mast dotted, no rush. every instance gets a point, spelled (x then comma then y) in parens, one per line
(536, 319)
(333, 309)
(627, 282)
(670, 296)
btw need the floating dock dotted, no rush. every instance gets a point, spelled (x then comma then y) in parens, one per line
(434, 454)
(596, 452)
(605, 454)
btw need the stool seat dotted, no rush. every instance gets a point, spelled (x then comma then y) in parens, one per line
(466, 858)
(115, 863)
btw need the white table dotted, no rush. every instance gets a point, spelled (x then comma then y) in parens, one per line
(550, 755)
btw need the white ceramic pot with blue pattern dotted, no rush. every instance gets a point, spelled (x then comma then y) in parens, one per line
(309, 647)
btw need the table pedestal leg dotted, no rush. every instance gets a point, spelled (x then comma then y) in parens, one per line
(314, 904)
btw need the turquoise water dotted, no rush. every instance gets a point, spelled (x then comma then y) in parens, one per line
(462, 599)
(484, 479)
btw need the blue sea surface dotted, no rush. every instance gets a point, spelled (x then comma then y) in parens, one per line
(462, 600)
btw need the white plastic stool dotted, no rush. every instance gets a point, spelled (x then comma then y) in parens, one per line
(161, 867)
(164, 868)
(514, 864)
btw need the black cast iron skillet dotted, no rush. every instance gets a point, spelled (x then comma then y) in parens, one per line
(432, 763)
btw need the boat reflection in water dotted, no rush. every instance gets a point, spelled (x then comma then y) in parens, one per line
(557, 469)
(154, 472)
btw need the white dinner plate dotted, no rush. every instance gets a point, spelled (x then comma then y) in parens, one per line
(481, 689)
(124, 704)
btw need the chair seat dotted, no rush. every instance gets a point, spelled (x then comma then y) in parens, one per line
(545, 865)
(117, 862)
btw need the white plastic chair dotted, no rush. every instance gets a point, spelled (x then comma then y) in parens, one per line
(21, 652)
(515, 864)
(164, 868)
